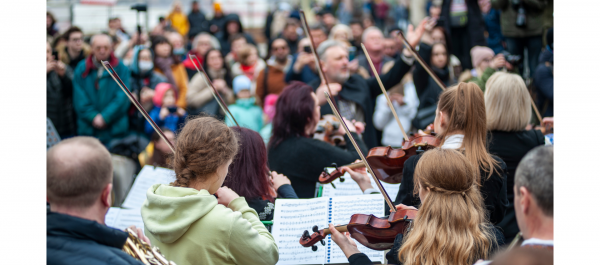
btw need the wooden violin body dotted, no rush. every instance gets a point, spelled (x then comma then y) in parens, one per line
(388, 162)
(326, 129)
(371, 231)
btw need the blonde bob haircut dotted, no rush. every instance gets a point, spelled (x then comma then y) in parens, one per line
(507, 103)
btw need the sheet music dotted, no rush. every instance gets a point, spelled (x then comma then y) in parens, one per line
(350, 188)
(122, 218)
(147, 177)
(290, 218)
(343, 209)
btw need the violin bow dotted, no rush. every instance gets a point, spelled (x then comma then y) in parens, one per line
(422, 62)
(214, 91)
(364, 160)
(314, 51)
(111, 71)
(384, 91)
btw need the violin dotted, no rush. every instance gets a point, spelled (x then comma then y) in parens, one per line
(371, 231)
(326, 128)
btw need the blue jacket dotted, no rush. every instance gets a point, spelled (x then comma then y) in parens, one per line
(543, 80)
(492, 25)
(108, 100)
(246, 113)
(72, 240)
(172, 121)
(306, 75)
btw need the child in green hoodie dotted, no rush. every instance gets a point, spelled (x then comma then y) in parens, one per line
(245, 111)
(188, 223)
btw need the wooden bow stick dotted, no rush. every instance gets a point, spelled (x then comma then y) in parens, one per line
(111, 71)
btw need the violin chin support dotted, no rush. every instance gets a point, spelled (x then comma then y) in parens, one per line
(420, 150)
(342, 179)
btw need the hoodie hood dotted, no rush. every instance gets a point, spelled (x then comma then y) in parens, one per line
(170, 211)
(546, 56)
(246, 103)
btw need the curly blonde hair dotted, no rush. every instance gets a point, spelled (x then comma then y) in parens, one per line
(203, 145)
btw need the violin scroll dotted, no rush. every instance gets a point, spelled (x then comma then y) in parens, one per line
(308, 240)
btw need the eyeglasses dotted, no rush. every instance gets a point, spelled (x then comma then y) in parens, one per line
(76, 39)
(283, 48)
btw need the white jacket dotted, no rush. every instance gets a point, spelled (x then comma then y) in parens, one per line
(383, 119)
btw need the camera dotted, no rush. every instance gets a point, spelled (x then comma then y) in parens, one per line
(140, 7)
(511, 58)
(172, 109)
(307, 49)
(521, 21)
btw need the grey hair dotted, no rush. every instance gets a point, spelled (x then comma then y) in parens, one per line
(214, 43)
(536, 173)
(368, 30)
(324, 46)
(101, 35)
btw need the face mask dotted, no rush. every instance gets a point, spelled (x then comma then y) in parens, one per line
(126, 62)
(179, 51)
(145, 66)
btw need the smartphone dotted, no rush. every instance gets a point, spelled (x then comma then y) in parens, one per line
(172, 109)
(55, 55)
(351, 53)
(307, 49)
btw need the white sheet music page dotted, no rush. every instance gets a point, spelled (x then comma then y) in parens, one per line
(122, 218)
(350, 188)
(147, 177)
(290, 218)
(343, 208)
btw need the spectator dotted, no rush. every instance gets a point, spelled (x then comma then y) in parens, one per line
(390, 48)
(157, 150)
(522, 25)
(59, 95)
(245, 111)
(405, 101)
(249, 65)
(115, 29)
(464, 23)
(303, 64)
(290, 35)
(269, 113)
(491, 16)
(508, 110)
(485, 63)
(217, 23)
(100, 105)
(400, 14)
(544, 78)
(178, 19)
(79, 175)
(341, 32)
(162, 27)
(201, 44)
(232, 26)
(380, 12)
(177, 42)
(357, 30)
(237, 42)
(165, 112)
(328, 21)
(167, 64)
(197, 21)
(76, 49)
(51, 27)
(438, 34)
(372, 38)
(200, 96)
(271, 80)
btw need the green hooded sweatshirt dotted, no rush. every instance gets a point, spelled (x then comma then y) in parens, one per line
(190, 227)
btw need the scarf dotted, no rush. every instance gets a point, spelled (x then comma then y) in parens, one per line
(92, 64)
(189, 64)
(453, 141)
(164, 64)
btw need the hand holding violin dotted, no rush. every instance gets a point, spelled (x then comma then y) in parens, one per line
(344, 241)
(360, 176)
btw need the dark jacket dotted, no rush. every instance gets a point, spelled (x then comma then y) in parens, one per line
(363, 92)
(475, 24)
(492, 26)
(223, 35)
(543, 80)
(302, 160)
(59, 102)
(511, 147)
(427, 89)
(306, 75)
(72, 240)
(534, 16)
(264, 208)
(493, 189)
(198, 23)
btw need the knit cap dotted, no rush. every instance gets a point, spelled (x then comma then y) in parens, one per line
(240, 83)
(478, 53)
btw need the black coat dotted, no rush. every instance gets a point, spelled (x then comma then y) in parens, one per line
(264, 208)
(72, 240)
(59, 102)
(511, 147)
(475, 23)
(223, 35)
(427, 89)
(364, 92)
(198, 23)
(493, 189)
(302, 160)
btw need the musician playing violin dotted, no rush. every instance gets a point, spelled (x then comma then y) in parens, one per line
(293, 152)
(451, 225)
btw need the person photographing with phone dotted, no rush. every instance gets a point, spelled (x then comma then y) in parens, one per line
(165, 112)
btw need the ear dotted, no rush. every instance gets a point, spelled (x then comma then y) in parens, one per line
(441, 119)
(525, 200)
(105, 197)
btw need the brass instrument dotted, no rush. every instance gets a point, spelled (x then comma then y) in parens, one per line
(143, 252)
(517, 241)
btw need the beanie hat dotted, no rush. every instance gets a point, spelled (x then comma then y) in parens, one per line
(478, 53)
(159, 93)
(217, 7)
(240, 83)
(269, 108)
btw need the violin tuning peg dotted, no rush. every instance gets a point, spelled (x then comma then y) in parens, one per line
(405, 217)
(305, 234)
(315, 228)
(314, 248)
(325, 171)
(334, 165)
(342, 179)
(322, 242)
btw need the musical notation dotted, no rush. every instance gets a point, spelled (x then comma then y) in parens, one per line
(147, 177)
(350, 188)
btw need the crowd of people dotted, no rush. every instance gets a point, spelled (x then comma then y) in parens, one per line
(489, 181)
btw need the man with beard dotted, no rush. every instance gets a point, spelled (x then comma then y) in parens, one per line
(353, 94)
(271, 80)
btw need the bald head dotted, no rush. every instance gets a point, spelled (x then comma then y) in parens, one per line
(373, 39)
(101, 46)
(77, 170)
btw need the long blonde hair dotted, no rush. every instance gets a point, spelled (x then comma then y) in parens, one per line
(465, 107)
(451, 226)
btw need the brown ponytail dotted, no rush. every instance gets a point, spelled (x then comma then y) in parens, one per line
(202, 146)
(465, 107)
